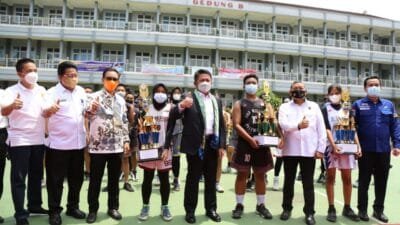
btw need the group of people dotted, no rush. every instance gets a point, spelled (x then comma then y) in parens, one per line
(52, 128)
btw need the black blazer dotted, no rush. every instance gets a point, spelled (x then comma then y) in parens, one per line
(193, 127)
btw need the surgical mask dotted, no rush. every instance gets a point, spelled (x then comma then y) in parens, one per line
(374, 91)
(335, 99)
(298, 93)
(204, 87)
(160, 97)
(121, 93)
(110, 85)
(250, 88)
(31, 78)
(176, 97)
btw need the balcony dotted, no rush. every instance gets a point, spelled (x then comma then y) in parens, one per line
(193, 30)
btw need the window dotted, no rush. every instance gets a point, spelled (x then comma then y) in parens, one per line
(343, 36)
(142, 58)
(280, 29)
(114, 16)
(330, 70)
(171, 59)
(175, 20)
(200, 60)
(84, 15)
(228, 62)
(3, 10)
(228, 25)
(282, 66)
(113, 56)
(308, 33)
(53, 53)
(354, 37)
(307, 68)
(255, 30)
(201, 22)
(144, 22)
(55, 13)
(21, 52)
(83, 54)
(256, 64)
(24, 11)
(2, 52)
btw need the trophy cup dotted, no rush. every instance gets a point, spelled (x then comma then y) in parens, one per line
(345, 129)
(149, 132)
(266, 124)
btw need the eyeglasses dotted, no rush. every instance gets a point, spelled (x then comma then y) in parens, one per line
(71, 75)
(111, 78)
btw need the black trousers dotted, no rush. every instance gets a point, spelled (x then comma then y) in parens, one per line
(26, 161)
(196, 168)
(307, 167)
(97, 165)
(3, 153)
(61, 164)
(376, 164)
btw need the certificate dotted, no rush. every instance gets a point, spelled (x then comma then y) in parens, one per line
(267, 140)
(146, 155)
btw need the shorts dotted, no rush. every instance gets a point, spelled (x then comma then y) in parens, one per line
(338, 161)
(260, 160)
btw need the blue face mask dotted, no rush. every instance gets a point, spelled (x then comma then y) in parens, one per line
(374, 91)
(250, 88)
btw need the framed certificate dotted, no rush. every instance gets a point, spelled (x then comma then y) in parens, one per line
(347, 148)
(146, 155)
(267, 140)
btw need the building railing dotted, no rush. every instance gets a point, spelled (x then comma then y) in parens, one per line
(197, 30)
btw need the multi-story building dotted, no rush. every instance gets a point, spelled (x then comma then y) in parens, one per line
(281, 42)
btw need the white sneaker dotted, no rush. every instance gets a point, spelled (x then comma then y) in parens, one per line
(275, 187)
(219, 188)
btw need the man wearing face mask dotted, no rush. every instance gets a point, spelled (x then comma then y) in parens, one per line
(108, 141)
(66, 142)
(249, 155)
(203, 141)
(25, 109)
(376, 126)
(305, 139)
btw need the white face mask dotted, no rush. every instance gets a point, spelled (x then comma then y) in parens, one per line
(176, 97)
(160, 97)
(204, 87)
(374, 91)
(335, 99)
(121, 93)
(250, 88)
(31, 78)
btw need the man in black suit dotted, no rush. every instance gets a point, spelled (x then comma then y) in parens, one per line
(203, 141)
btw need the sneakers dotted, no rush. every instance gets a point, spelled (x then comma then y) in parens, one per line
(219, 188)
(144, 213)
(175, 185)
(331, 217)
(133, 176)
(349, 213)
(165, 213)
(275, 186)
(321, 179)
(249, 186)
(238, 211)
(228, 169)
(128, 187)
(263, 212)
(355, 184)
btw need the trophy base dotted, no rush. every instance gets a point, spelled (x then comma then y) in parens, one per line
(347, 148)
(267, 140)
(146, 155)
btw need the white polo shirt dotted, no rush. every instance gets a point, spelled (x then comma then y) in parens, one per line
(66, 128)
(26, 125)
(304, 142)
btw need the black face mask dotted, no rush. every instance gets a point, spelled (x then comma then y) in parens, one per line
(129, 101)
(298, 93)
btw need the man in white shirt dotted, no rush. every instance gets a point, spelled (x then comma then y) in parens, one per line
(66, 141)
(26, 110)
(304, 140)
(3, 148)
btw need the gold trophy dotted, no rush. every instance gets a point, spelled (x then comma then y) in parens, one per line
(266, 122)
(345, 128)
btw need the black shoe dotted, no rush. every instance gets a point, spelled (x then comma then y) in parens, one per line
(380, 216)
(128, 187)
(91, 218)
(238, 211)
(113, 213)
(349, 213)
(331, 217)
(76, 213)
(213, 216)
(310, 220)
(1, 219)
(363, 215)
(190, 218)
(264, 212)
(321, 179)
(285, 215)
(40, 211)
(55, 219)
(104, 189)
(22, 222)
